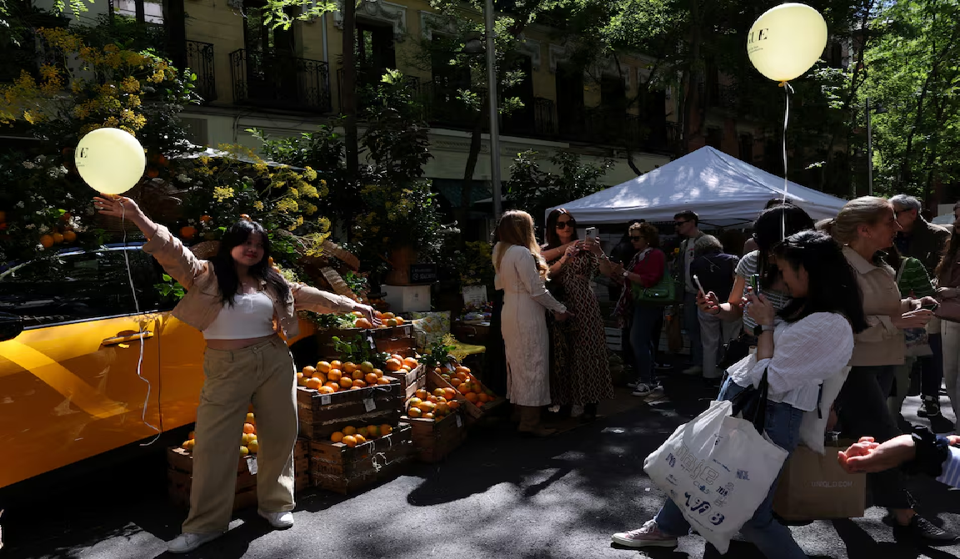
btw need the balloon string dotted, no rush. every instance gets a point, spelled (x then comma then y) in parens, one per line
(136, 305)
(787, 89)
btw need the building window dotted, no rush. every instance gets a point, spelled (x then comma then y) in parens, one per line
(715, 138)
(746, 147)
(835, 55)
(144, 11)
(375, 47)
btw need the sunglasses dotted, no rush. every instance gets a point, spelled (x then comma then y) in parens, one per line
(632, 238)
(565, 224)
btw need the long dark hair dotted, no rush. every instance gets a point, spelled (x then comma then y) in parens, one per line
(771, 227)
(225, 267)
(553, 240)
(833, 283)
(949, 253)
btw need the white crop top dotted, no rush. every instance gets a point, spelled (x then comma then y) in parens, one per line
(251, 316)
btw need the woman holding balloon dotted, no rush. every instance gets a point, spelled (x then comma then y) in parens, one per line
(241, 304)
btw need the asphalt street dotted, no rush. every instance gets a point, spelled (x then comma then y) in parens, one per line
(498, 496)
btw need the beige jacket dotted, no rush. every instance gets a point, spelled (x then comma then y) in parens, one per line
(200, 306)
(881, 343)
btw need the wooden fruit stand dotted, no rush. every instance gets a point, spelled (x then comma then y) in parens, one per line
(180, 475)
(435, 439)
(320, 415)
(343, 469)
(395, 339)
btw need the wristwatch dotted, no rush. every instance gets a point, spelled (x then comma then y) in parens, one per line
(761, 328)
(625, 274)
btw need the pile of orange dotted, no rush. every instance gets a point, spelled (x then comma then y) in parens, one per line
(248, 440)
(436, 405)
(467, 384)
(334, 376)
(397, 362)
(387, 320)
(60, 234)
(352, 436)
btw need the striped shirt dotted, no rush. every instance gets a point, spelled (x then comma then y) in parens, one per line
(951, 468)
(748, 267)
(913, 280)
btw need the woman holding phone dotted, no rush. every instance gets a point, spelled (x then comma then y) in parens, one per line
(240, 304)
(580, 370)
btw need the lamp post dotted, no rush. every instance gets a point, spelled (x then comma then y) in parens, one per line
(880, 110)
(473, 46)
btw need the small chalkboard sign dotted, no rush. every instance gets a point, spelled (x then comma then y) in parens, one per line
(423, 273)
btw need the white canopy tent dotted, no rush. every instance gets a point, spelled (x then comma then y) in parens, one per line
(723, 190)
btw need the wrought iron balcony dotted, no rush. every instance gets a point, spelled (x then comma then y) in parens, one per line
(368, 76)
(443, 108)
(270, 79)
(535, 119)
(200, 62)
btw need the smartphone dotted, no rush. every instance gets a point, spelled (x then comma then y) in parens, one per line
(932, 307)
(755, 284)
(591, 232)
(696, 280)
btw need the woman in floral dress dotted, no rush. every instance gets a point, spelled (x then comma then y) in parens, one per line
(580, 369)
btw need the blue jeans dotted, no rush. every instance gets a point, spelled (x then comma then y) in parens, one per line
(644, 321)
(771, 538)
(691, 323)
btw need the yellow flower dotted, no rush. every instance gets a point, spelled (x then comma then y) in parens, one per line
(258, 205)
(130, 85)
(222, 193)
(323, 223)
(310, 174)
(308, 190)
(287, 205)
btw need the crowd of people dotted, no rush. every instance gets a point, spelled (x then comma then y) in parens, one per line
(875, 290)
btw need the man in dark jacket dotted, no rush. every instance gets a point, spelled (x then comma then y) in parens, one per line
(716, 271)
(924, 241)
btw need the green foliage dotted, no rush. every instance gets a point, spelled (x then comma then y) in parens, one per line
(436, 354)
(170, 289)
(358, 350)
(533, 189)
(328, 320)
(913, 73)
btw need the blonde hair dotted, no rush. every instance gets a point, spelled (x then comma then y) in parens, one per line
(866, 210)
(516, 228)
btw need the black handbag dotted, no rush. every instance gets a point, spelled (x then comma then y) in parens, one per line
(751, 404)
(735, 350)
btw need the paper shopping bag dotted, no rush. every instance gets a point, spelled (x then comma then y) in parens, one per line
(815, 487)
(717, 469)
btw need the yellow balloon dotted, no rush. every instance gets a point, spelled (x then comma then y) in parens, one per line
(786, 41)
(110, 160)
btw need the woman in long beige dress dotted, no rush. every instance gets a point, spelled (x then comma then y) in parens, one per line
(521, 272)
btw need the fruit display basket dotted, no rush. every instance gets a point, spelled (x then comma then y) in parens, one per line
(477, 400)
(387, 340)
(434, 439)
(410, 381)
(342, 468)
(180, 475)
(320, 415)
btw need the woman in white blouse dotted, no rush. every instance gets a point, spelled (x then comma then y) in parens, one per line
(521, 272)
(799, 347)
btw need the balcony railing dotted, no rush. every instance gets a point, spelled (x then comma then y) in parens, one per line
(537, 120)
(613, 127)
(443, 108)
(200, 61)
(269, 79)
(369, 76)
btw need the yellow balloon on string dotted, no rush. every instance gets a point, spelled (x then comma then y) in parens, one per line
(786, 41)
(110, 160)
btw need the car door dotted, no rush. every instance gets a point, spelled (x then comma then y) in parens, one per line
(69, 382)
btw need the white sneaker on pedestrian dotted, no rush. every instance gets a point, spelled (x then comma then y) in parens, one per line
(187, 542)
(643, 389)
(648, 535)
(695, 370)
(279, 520)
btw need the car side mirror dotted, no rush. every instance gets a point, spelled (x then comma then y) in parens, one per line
(10, 326)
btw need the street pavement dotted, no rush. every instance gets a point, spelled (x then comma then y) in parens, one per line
(498, 496)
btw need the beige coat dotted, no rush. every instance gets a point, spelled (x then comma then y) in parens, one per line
(201, 305)
(881, 343)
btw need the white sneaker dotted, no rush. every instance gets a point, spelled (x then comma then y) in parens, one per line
(187, 542)
(643, 389)
(649, 535)
(695, 370)
(279, 520)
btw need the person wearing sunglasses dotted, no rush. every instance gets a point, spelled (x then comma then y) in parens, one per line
(687, 226)
(580, 370)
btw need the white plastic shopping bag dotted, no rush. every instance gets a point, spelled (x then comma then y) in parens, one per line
(717, 469)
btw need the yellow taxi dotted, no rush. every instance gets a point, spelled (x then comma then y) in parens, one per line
(70, 352)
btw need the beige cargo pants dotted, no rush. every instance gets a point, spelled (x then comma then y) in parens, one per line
(262, 374)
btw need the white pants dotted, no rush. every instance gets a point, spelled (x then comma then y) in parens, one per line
(715, 332)
(951, 362)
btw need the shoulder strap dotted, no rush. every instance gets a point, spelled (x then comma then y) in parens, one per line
(903, 265)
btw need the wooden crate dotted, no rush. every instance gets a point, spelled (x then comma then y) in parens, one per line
(320, 415)
(410, 381)
(472, 412)
(433, 439)
(342, 469)
(180, 476)
(389, 340)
